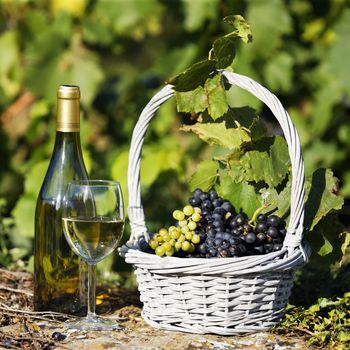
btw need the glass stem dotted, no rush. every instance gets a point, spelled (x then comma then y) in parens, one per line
(91, 292)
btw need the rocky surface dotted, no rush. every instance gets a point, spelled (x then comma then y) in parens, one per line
(21, 328)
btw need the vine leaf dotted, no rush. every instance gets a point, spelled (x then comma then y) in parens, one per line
(193, 101)
(270, 166)
(225, 51)
(241, 195)
(194, 76)
(242, 28)
(211, 97)
(326, 240)
(278, 202)
(323, 197)
(205, 176)
(218, 134)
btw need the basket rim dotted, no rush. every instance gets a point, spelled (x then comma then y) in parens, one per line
(281, 260)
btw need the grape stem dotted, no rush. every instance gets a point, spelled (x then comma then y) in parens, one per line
(257, 212)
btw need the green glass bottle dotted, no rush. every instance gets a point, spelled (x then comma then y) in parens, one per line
(60, 276)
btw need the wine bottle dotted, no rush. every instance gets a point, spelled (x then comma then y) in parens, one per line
(60, 276)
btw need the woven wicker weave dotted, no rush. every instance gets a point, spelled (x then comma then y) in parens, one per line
(220, 295)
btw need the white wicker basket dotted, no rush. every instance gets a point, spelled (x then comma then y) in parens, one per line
(219, 295)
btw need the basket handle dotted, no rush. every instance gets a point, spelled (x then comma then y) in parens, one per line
(294, 234)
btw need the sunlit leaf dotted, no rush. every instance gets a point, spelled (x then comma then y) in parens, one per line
(242, 195)
(270, 166)
(205, 175)
(242, 28)
(211, 97)
(218, 134)
(323, 197)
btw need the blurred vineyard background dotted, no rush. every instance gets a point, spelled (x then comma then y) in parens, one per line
(121, 52)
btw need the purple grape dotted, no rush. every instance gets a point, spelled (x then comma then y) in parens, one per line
(213, 195)
(262, 218)
(217, 202)
(197, 192)
(273, 220)
(272, 232)
(250, 237)
(227, 206)
(261, 226)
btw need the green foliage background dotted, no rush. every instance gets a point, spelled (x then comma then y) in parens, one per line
(120, 53)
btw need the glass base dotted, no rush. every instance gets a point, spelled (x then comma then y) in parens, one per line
(95, 323)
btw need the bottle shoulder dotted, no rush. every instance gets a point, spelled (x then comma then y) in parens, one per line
(66, 164)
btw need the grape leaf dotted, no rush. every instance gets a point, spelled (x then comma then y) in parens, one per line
(242, 28)
(191, 101)
(218, 134)
(241, 195)
(225, 51)
(326, 247)
(212, 97)
(270, 166)
(346, 242)
(323, 197)
(326, 240)
(205, 175)
(278, 202)
(216, 97)
(246, 117)
(194, 76)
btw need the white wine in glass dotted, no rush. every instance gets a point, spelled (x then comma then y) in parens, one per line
(93, 222)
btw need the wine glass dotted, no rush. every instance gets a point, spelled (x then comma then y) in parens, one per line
(93, 224)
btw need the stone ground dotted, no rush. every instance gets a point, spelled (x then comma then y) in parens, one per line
(21, 328)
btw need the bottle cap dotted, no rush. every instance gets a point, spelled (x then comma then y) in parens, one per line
(69, 92)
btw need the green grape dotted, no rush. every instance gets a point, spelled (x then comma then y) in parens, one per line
(172, 228)
(178, 245)
(192, 225)
(186, 246)
(163, 231)
(196, 217)
(227, 215)
(170, 252)
(188, 210)
(160, 251)
(181, 239)
(166, 237)
(192, 248)
(182, 223)
(197, 210)
(166, 246)
(184, 229)
(175, 234)
(189, 235)
(172, 242)
(196, 239)
(178, 215)
(153, 243)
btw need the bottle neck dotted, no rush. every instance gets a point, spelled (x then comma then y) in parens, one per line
(67, 139)
(68, 114)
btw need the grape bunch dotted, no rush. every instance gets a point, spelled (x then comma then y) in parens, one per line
(180, 238)
(209, 227)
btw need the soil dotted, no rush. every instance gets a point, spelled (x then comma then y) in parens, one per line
(22, 328)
